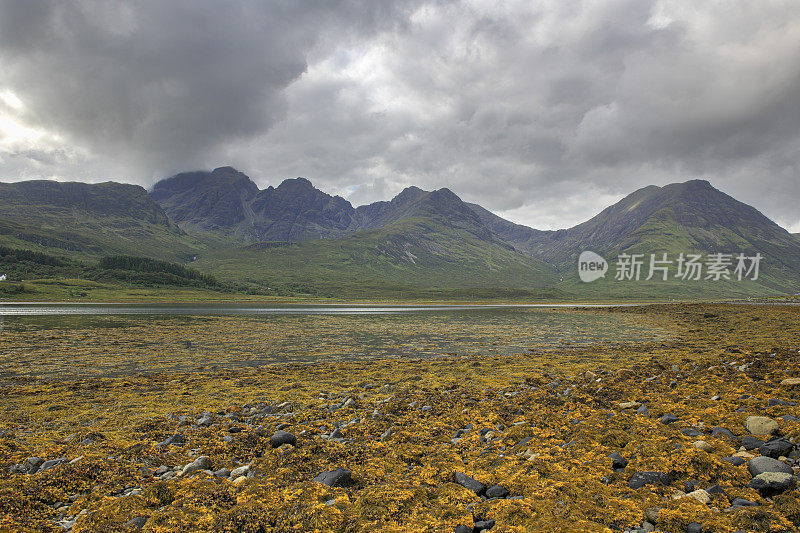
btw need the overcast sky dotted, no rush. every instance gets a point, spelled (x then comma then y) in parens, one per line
(543, 111)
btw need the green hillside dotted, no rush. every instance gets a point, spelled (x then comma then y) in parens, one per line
(412, 257)
(90, 221)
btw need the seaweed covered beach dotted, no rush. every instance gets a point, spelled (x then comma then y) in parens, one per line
(690, 423)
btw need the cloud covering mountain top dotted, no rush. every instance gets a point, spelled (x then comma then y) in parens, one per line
(545, 112)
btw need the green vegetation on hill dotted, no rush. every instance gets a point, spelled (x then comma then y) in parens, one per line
(409, 258)
(24, 265)
(89, 221)
(297, 241)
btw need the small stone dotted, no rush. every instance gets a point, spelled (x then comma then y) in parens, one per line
(176, 440)
(700, 495)
(472, 484)
(589, 375)
(201, 463)
(669, 418)
(702, 445)
(340, 477)
(694, 527)
(640, 479)
(222, 472)
(461, 528)
(629, 405)
(240, 471)
(618, 462)
(750, 442)
(33, 464)
(760, 465)
(480, 525)
(735, 461)
(691, 432)
(497, 491)
(723, 432)
(772, 483)
(651, 513)
(282, 437)
(137, 522)
(205, 420)
(52, 463)
(741, 502)
(761, 425)
(776, 447)
(239, 480)
(790, 382)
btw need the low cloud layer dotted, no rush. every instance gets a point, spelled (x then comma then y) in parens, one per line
(545, 113)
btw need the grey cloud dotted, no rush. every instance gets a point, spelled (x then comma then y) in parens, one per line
(521, 107)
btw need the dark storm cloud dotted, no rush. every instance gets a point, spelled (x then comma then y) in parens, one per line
(156, 85)
(544, 111)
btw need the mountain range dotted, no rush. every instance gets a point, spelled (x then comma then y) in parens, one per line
(420, 242)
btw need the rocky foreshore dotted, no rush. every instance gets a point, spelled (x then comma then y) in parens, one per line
(697, 436)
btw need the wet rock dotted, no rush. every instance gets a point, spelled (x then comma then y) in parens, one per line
(497, 491)
(700, 495)
(222, 472)
(340, 477)
(201, 463)
(33, 464)
(480, 525)
(790, 382)
(691, 432)
(461, 528)
(694, 527)
(702, 445)
(52, 463)
(629, 405)
(669, 418)
(137, 522)
(761, 425)
(282, 437)
(177, 440)
(776, 447)
(772, 483)
(651, 513)
(618, 462)
(640, 479)
(240, 471)
(735, 461)
(724, 433)
(751, 443)
(760, 465)
(472, 484)
(642, 410)
(205, 420)
(741, 502)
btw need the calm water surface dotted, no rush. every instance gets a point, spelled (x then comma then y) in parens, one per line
(54, 341)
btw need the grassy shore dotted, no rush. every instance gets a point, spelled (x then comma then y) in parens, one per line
(540, 424)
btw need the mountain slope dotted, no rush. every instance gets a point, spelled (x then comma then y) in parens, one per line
(226, 201)
(421, 255)
(690, 217)
(89, 220)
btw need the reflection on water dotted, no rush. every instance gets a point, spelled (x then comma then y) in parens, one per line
(26, 309)
(95, 345)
